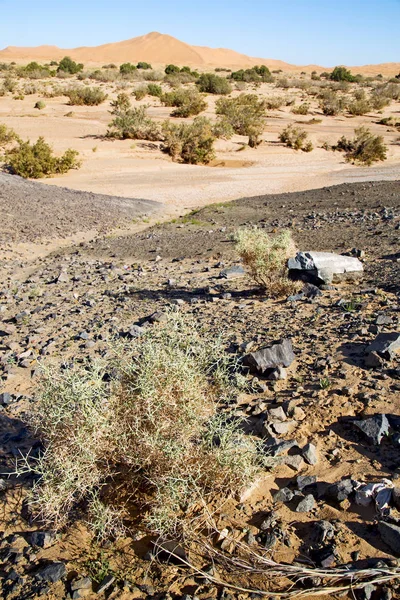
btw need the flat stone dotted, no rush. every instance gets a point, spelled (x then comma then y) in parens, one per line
(84, 583)
(391, 535)
(385, 344)
(105, 584)
(325, 267)
(304, 481)
(270, 357)
(52, 573)
(232, 272)
(374, 428)
(277, 414)
(283, 495)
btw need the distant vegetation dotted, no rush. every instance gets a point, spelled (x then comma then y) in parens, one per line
(213, 84)
(67, 65)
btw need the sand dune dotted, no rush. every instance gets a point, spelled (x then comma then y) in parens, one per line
(159, 48)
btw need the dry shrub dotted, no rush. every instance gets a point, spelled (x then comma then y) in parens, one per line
(265, 258)
(140, 92)
(87, 96)
(296, 138)
(131, 123)
(245, 114)
(37, 160)
(365, 148)
(191, 143)
(7, 136)
(187, 102)
(359, 107)
(301, 109)
(153, 432)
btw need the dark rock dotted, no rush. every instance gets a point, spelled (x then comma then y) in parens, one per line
(396, 497)
(283, 495)
(270, 357)
(374, 361)
(340, 490)
(43, 539)
(306, 504)
(391, 535)
(5, 399)
(374, 428)
(305, 481)
(52, 573)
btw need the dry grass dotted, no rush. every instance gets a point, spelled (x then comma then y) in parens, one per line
(265, 257)
(154, 432)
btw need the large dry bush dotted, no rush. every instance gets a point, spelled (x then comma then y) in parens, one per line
(187, 102)
(266, 257)
(365, 148)
(79, 96)
(131, 123)
(37, 160)
(296, 138)
(146, 433)
(245, 114)
(192, 143)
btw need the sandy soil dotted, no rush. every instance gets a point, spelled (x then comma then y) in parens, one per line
(139, 169)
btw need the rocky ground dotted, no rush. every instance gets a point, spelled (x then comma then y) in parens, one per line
(322, 422)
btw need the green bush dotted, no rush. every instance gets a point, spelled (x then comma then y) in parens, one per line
(154, 90)
(342, 74)
(131, 123)
(296, 138)
(188, 102)
(34, 70)
(67, 65)
(127, 69)
(256, 74)
(144, 65)
(213, 84)
(171, 69)
(266, 259)
(87, 96)
(40, 105)
(37, 160)
(191, 143)
(7, 136)
(245, 114)
(365, 148)
(154, 433)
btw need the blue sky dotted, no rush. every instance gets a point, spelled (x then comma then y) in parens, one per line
(326, 32)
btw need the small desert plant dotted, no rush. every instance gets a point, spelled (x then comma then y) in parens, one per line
(359, 107)
(192, 143)
(127, 68)
(140, 92)
(275, 102)
(87, 96)
(67, 65)
(301, 109)
(265, 257)
(40, 105)
(10, 84)
(143, 65)
(188, 102)
(341, 74)
(365, 148)
(170, 69)
(7, 136)
(37, 160)
(245, 114)
(154, 428)
(103, 76)
(296, 138)
(154, 90)
(213, 84)
(131, 123)
(331, 104)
